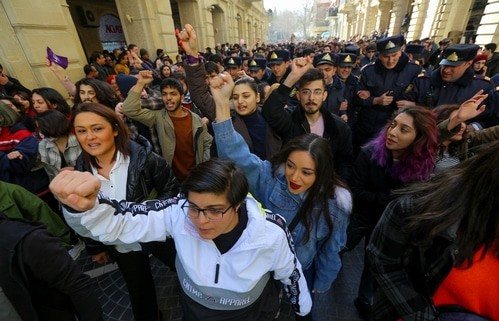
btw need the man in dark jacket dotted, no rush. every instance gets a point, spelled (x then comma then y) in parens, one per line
(492, 63)
(310, 116)
(381, 86)
(33, 287)
(453, 82)
(9, 85)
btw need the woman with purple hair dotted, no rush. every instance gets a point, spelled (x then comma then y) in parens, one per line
(403, 152)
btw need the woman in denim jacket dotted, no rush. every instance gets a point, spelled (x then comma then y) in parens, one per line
(298, 183)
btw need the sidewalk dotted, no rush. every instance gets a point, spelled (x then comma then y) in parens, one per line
(336, 304)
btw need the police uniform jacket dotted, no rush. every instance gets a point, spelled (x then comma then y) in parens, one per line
(378, 80)
(431, 91)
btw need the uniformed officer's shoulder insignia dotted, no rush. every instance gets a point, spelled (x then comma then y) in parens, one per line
(497, 88)
(409, 88)
(483, 78)
(293, 92)
(422, 75)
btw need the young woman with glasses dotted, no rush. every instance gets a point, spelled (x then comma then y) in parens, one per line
(230, 251)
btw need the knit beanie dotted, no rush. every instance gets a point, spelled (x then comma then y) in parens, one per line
(8, 116)
(125, 83)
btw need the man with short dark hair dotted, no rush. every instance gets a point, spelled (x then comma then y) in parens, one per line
(97, 60)
(8, 85)
(435, 57)
(183, 136)
(369, 56)
(492, 63)
(310, 116)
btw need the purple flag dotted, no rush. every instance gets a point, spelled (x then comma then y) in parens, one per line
(60, 60)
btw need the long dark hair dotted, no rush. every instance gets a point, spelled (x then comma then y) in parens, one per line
(418, 161)
(323, 189)
(121, 141)
(53, 97)
(104, 92)
(466, 194)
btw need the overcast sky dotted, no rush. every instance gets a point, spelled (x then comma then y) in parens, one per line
(283, 4)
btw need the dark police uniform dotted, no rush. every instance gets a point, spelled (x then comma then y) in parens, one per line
(233, 62)
(256, 64)
(430, 90)
(355, 50)
(335, 88)
(278, 57)
(378, 80)
(350, 88)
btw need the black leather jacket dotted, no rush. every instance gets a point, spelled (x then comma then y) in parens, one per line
(149, 177)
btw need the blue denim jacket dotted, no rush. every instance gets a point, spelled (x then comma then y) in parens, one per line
(271, 190)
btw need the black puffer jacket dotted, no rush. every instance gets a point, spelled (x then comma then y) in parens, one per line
(149, 177)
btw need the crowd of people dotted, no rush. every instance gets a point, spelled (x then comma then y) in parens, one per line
(293, 154)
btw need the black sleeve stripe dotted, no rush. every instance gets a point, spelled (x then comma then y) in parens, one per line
(124, 207)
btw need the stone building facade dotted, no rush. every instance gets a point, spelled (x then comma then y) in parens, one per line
(76, 28)
(461, 20)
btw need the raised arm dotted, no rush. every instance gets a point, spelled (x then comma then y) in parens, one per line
(231, 145)
(273, 109)
(132, 105)
(112, 221)
(468, 110)
(196, 74)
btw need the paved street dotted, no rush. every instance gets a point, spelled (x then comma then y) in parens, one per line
(336, 304)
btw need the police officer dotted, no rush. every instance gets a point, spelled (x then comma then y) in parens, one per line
(352, 49)
(346, 63)
(453, 82)
(233, 66)
(369, 56)
(257, 69)
(415, 53)
(279, 62)
(381, 85)
(326, 62)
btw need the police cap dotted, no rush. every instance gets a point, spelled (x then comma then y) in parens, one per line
(352, 50)
(456, 55)
(390, 45)
(231, 62)
(277, 57)
(346, 59)
(257, 63)
(325, 58)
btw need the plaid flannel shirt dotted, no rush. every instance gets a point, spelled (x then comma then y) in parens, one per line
(153, 102)
(397, 268)
(51, 158)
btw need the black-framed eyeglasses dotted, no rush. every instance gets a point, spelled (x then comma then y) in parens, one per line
(308, 92)
(210, 214)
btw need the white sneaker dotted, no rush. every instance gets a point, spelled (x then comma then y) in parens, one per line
(76, 250)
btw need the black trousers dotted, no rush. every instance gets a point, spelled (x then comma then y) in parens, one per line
(135, 268)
